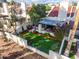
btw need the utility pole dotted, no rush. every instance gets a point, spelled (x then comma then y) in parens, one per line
(67, 50)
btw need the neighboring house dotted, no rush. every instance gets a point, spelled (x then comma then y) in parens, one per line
(54, 12)
(3, 7)
(63, 12)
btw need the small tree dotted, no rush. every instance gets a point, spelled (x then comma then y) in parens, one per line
(37, 12)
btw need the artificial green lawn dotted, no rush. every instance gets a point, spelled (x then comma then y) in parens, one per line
(41, 43)
(45, 44)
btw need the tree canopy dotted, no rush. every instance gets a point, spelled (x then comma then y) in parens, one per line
(38, 11)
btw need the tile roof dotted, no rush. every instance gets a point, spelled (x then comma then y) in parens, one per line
(54, 12)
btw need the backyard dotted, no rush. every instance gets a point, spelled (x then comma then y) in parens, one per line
(45, 42)
(39, 30)
(42, 43)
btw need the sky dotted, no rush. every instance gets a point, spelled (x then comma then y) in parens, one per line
(42, 1)
(37, 1)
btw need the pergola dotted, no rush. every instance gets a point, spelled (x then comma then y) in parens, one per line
(49, 21)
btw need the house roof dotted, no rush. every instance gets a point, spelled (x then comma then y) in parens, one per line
(54, 12)
(51, 21)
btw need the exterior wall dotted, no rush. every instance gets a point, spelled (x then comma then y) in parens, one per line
(16, 39)
(5, 8)
(24, 25)
(24, 43)
(38, 51)
(63, 11)
(19, 28)
(53, 55)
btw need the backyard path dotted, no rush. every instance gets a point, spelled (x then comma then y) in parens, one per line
(11, 50)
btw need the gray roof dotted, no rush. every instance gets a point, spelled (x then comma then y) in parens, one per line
(51, 21)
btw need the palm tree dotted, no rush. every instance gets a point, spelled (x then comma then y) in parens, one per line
(66, 53)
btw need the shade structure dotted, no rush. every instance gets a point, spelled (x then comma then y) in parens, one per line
(51, 21)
